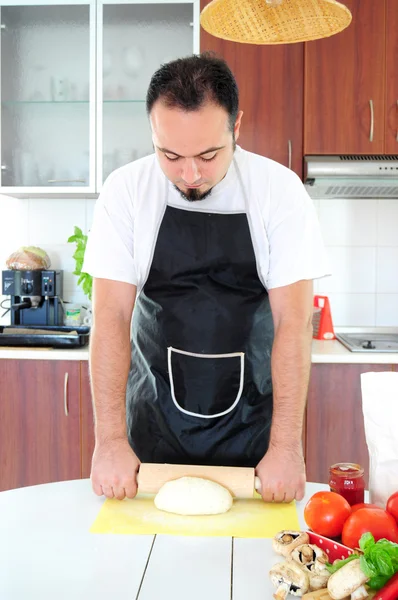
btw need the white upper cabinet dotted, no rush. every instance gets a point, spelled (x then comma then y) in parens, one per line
(134, 40)
(47, 63)
(73, 80)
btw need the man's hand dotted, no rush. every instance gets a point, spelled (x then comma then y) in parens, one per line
(282, 475)
(114, 469)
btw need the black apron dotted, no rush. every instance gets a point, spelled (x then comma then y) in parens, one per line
(199, 389)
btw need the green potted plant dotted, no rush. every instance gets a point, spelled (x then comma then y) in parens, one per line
(85, 280)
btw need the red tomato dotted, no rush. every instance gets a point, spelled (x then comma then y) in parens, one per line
(392, 506)
(376, 520)
(326, 513)
(356, 507)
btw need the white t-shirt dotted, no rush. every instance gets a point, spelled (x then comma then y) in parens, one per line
(284, 227)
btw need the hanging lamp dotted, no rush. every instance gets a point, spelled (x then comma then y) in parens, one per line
(274, 21)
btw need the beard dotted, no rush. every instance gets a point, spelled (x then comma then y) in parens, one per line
(194, 195)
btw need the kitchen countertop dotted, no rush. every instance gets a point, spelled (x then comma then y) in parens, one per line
(44, 353)
(334, 352)
(47, 552)
(322, 351)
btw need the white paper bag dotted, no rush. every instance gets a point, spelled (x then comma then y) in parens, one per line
(380, 411)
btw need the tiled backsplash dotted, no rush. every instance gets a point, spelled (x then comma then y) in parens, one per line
(46, 223)
(361, 238)
(362, 243)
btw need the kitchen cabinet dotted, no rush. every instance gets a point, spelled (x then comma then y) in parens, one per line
(345, 87)
(47, 96)
(134, 40)
(270, 80)
(391, 132)
(47, 425)
(39, 422)
(87, 421)
(73, 81)
(335, 425)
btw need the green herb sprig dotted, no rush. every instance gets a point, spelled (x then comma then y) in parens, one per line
(85, 280)
(378, 560)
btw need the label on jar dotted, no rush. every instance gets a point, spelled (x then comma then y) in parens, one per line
(72, 316)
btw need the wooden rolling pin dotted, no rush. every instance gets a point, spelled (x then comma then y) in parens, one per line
(240, 481)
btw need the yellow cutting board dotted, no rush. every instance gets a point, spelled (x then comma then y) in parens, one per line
(251, 518)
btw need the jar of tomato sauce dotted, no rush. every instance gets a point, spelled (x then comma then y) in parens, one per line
(347, 480)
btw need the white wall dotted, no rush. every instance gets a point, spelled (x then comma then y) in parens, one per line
(48, 224)
(361, 238)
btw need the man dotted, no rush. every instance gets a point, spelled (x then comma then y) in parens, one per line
(215, 249)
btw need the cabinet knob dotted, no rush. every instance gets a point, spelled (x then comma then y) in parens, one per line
(372, 121)
(66, 408)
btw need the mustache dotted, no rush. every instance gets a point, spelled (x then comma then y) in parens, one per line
(200, 182)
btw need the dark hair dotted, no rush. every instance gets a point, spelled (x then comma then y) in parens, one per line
(188, 83)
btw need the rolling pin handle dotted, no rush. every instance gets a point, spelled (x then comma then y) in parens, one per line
(257, 484)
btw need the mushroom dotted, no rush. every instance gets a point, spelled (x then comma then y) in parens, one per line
(310, 556)
(313, 559)
(285, 541)
(319, 581)
(289, 578)
(350, 579)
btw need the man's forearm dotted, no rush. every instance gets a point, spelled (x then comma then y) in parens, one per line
(110, 357)
(291, 364)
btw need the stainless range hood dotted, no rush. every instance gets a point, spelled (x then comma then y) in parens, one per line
(350, 176)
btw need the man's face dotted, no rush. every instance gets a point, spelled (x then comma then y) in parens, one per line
(195, 148)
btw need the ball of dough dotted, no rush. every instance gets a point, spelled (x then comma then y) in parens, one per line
(193, 496)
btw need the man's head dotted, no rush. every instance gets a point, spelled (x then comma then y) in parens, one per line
(193, 105)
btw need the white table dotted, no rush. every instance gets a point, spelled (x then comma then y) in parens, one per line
(47, 553)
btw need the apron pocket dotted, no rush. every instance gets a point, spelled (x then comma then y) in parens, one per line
(205, 385)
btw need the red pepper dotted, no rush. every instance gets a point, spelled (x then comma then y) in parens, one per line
(389, 591)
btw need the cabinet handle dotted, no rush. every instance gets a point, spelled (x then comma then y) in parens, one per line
(289, 145)
(66, 181)
(66, 409)
(396, 139)
(372, 121)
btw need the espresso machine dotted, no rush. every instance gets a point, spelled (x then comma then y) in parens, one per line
(36, 296)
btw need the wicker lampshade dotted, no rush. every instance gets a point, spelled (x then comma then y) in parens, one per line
(285, 22)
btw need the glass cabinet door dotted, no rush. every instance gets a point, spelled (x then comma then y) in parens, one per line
(135, 38)
(47, 96)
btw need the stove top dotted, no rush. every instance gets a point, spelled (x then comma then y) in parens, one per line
(369, 342)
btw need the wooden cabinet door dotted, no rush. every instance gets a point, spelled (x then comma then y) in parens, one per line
(391, 143)
(335, 425)
(87, 421)
(343, 74)
(270, 80)
(39, 422)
